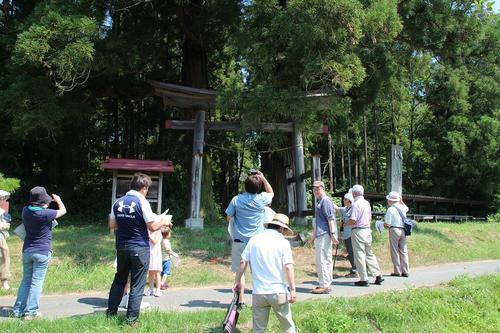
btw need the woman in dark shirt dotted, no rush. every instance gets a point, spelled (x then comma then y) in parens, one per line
(37, 219)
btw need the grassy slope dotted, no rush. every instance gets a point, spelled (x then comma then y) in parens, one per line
(83, 255)
(464, 305)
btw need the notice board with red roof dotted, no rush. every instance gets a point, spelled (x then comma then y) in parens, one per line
(123, 170)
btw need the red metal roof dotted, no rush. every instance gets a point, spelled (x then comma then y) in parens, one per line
(138, 165)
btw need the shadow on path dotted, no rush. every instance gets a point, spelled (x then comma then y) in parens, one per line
(6, 312)
(200, 303)
(96, 302)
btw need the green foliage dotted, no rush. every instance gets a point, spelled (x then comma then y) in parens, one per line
(421, 74)
(9, 184)
(61, 44)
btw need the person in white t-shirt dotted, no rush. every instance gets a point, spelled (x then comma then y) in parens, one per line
(397, 237)
(273, 278)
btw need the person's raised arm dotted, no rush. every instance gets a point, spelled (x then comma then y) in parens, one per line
(61, 208)
(267, 187)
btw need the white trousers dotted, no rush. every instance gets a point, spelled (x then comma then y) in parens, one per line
(324, 262)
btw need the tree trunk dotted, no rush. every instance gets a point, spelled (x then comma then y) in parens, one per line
(195, 74)
(342, 161)
(356, 167)
(377, 152)
(330, 163)
(365, 173)
(349, 168)
(116, 127)
(5, 10)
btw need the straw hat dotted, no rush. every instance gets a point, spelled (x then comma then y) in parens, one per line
(281, 220)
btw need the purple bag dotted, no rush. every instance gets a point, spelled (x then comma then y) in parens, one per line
(232, 314)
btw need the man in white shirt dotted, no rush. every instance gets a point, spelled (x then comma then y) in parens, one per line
(270, 256)
(397, 237)
(364, 257)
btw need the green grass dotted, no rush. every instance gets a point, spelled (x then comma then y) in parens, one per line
(463, 305)
(84, 254)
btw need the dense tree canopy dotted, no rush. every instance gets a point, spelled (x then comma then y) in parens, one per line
(421, 74)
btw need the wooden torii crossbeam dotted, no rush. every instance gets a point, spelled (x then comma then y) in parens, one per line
(202, 100)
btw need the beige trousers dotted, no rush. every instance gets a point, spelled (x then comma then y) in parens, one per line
(399, 251)
(324, 262)
(363, 253)
(262, 303)
(4, 260)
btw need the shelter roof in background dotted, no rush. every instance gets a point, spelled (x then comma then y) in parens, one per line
(184, 97)
(137, 165)
(421, 198)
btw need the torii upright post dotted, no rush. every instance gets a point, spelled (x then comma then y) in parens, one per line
(299, 178)
(195, 221)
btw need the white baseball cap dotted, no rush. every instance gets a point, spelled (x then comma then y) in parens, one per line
(393, 196)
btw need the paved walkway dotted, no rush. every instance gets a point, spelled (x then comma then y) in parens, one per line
(180, 299)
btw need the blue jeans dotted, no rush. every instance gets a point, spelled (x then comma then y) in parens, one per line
(133, 262)
(28, 296)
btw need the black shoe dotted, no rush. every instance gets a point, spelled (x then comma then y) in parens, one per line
(241, 306)
(110, 314)
(405, 275)
(361, 283)
(395, 274)
(379, 280)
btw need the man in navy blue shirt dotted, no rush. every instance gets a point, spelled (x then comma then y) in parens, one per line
(325, 234)
(132, 217)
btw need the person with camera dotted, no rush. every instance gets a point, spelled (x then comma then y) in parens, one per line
(246, 213)
(132, 217)
(38, 221)
(397, 237)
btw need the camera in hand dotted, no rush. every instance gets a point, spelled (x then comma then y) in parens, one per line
(253, 171)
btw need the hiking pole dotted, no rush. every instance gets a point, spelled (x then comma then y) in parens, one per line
(335, 258)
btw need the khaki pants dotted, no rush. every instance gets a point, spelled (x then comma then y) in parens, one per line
(262, 303)
(4, 260)
(363, 253)
(236, 251)
(399, 251)
(324, 262)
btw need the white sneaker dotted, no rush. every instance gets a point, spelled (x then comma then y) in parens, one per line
(124, 301)
(145, 305)
(158, 294)
(31, 317)
(149, 292)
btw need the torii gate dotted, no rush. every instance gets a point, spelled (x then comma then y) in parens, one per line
(203, 100)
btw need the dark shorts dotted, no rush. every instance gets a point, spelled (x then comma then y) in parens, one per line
(166, 268)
